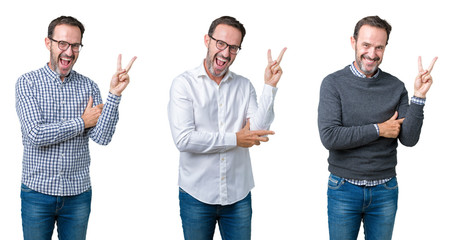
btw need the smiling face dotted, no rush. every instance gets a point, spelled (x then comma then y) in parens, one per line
(217, 61)
(62, 61)
(369, 49)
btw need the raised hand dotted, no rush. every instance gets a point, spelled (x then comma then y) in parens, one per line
(91, 114)
(391, 128)
(273, 71)
(246, 138)
(120, 79)
(423, 81)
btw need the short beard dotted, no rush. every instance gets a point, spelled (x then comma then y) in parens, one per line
(362, 67)
(210, 65)
(360, 64)
(55, 64)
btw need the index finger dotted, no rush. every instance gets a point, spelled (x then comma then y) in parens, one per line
(279, 59)
(263, 132)
(130, 64)
(118, 64)
(430, 68)
(269, 56)
(420, 66)
(261, 139)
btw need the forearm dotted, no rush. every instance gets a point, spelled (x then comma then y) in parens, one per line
(340, 138)
(262, 116)
(103, 132)
(193, 141)
(412, 125)
(41, 135)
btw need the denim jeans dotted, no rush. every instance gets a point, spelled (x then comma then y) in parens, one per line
(349, 204)
(41, 211)
(199, 219)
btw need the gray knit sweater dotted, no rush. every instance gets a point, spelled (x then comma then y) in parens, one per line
(349, 106)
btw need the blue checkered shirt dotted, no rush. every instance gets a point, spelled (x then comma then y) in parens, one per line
(415, 100)
(56, 156)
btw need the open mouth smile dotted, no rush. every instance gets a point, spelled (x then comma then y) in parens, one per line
(221, 61)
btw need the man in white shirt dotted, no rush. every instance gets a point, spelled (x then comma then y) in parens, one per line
(214, 119)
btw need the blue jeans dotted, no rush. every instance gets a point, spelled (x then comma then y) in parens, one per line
(199, 219)
(349, 204)
(40, 211)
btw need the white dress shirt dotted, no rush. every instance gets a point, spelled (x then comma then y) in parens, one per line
(204, 118)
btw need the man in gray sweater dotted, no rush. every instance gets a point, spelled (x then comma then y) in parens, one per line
(362, 112)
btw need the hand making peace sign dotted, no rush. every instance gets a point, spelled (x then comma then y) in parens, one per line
(120, 79)
(423, 81)
(273, 71)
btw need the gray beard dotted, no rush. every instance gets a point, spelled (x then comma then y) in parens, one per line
(55, 65)
(211, 68)
(367, 72)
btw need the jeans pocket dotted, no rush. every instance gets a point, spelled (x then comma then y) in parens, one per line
(335, 182)
(392, 184)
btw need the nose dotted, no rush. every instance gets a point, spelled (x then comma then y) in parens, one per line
(69, 51)
(226, 52)
(372, 53)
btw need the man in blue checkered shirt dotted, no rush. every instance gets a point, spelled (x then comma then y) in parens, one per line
(59, 110)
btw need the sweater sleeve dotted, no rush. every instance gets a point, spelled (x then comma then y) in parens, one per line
(334, 135)
(413, 121)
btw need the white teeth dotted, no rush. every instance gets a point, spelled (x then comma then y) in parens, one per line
(66, 59)
(222, 60)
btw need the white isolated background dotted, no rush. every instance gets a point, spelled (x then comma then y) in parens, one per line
(135, 193)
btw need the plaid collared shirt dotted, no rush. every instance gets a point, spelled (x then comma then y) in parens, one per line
(56, 156)
(415, 100)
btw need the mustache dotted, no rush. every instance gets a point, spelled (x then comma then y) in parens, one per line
(66, 56)
(372, 59)
(219, 54)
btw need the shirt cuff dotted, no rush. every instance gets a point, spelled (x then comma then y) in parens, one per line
(230, 141)
(113, 99)
(80, 125)
(377, 128)
(418, 101)
(269, 90)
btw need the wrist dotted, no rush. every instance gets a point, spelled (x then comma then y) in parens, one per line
(376, 126)
(272, 85)
(420, 95)
(378, 129)
(115, 93)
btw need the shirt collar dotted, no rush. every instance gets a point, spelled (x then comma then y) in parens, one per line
(357, 73)
(202, 72)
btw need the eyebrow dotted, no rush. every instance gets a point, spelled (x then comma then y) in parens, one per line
(376, 46)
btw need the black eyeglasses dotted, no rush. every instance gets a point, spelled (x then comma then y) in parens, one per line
(63, 45)
(221, 45)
